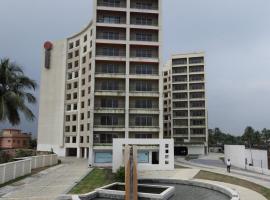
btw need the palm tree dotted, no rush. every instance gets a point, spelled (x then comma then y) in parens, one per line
(15, 93)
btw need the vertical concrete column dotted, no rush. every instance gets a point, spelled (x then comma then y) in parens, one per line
(127, 70)
(4, 174)
(85, 153)
(78, 152)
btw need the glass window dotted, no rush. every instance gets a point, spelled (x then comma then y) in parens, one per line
(103, 157)
(143, 157)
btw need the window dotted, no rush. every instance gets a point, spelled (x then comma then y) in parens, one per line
(68, 107)
(67, 118)
(84, 59)
(67, 139)
(81, 139)
(88, 114)
(69, 75)
(69, 65)
(88, 102)
(103, 157)
(143, 86)
(144, 36)
(109, 85)
(143, 157)
(67, 129)
(179, 61)
(143, 103)
(110, 19)
(82, 93)
(83, 81)
(75, 95)
(76, 63)
(87, 139)
(88, 126)
(82, 116)
(109, 120)
(73, 139)
(144, 53)
(68, 97)
(74, 106)
(76, 74)
(110, 68)
(77, 43)
(143, 135)
(70, 55)
(82, 127)
(109, 103)
(143, 121)
(196, 60)
(70, 45)
(83, 70)
(110, 51)
(69, 86)
(74, 128)
(109, 35)
(76, 53)
(74, 117)
(90, 54)
(75, 85)
(144, 69)
(85, 38)
(143, 20)
(82, 104)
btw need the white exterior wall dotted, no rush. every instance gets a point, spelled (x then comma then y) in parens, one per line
(13, 170)
(52, 98)
(236, 153)
(118, 153)
(259, 158)
(242, 158)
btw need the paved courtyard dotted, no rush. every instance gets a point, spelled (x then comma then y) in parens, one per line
(48, 184)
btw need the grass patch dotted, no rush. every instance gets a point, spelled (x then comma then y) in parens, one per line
(95, 179)
(233, 180)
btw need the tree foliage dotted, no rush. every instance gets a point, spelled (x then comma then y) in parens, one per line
(250, 138)
(15, 93)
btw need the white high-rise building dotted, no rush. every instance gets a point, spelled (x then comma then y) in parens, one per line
(185, 103)
(104, 82)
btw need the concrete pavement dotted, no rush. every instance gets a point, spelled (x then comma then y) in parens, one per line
(48, 184)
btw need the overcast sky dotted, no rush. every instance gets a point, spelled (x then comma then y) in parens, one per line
(235, 34)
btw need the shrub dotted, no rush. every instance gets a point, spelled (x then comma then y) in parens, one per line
(5, 157)
(20, 153)
(120, 174)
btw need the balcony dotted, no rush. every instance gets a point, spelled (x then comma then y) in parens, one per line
(110, 87)
(196, 60)
(144, 69)
(109, 121)
(143, 86)
(179, 78)
(144, 19)
(112, 3)
(103, 69)
(142, 54)
(111, 52)
(196, 86)
(144, 4)
(104, 138)
(110, 105)
(143, 121)
(145, 37)
(179, 61)
(111, 17)
(144, 106)
(197, 104)
(196, 78)
(114, 34)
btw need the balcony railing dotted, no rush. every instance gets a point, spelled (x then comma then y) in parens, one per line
(111, 52)
(112, 3)
(111, 36)
(146, 6)
(144, 22)
(145, 38)
(111, 20)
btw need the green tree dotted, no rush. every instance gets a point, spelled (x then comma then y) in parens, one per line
(15, 93)
(266, 135)
(249, 136)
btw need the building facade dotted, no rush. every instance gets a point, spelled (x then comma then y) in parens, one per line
(104, 82)
(14, 139)
(185, 105)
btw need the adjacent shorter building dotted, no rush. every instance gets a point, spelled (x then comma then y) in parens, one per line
(185, 108)
(14, 139)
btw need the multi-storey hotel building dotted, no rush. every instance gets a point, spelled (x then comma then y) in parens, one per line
(185, 111)
(104, 82)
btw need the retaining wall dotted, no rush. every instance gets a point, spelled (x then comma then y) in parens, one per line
(12, 170)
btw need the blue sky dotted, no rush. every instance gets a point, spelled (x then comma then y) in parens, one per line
(235, 36)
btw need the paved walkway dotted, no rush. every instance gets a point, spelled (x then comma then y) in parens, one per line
(48, 184)
(257, 178)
